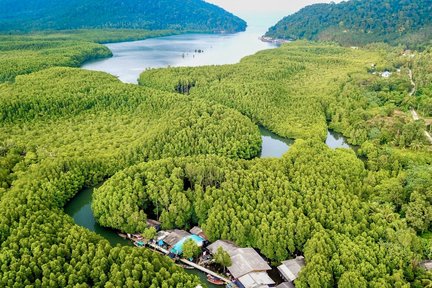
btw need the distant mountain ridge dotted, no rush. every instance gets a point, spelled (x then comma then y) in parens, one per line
(361, 21)
(195, 15)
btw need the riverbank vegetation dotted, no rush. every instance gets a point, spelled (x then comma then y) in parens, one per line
(27, 53)
(359, 23)
(286, 90)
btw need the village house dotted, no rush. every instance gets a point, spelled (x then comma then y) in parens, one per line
(248, 267)
(290, 269)
(199, 232)
(153, 223)
(175, 236)
(175, 239)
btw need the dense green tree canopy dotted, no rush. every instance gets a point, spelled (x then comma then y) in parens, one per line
(274, 87)
(63, 129)
(184, 15)
(295, 90)
(191, 249)
(182, 146)
(297, 203)
(358, 22)
(222, 257)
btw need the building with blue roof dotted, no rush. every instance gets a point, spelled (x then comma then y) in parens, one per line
(177, 248)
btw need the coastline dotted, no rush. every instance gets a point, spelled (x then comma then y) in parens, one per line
(273, 40)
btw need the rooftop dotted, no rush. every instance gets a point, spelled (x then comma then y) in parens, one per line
(228, 246)
(290, 269)
(286, 285)
(153, 223)
(178, 247)
(244, 260)
(175, 236)
(198, 231)
(256, 279)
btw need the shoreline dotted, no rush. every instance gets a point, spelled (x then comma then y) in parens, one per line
(273, 40)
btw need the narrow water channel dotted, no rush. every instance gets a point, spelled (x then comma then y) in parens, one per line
(79, 208)
(274, 146)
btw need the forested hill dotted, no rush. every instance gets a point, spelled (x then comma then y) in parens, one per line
(196, 15)
(360, 22)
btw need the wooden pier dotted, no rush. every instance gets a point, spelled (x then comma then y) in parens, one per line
(157, 247)
(205, 270)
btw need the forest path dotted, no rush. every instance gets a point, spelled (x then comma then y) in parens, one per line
(413, 112)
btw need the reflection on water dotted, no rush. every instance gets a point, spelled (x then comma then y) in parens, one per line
(131, 58)
(275, 146)
(79, 208)
(336, 140)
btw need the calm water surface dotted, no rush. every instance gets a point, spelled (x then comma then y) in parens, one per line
(275, 146)
(336, 140)
(130, 59)
(79, 208)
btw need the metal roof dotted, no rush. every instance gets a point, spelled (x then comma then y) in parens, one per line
(290, 269)
(286, 285)
(175, 236)
(256, 279)
(228, 246)
(196, 230)
(244, 260)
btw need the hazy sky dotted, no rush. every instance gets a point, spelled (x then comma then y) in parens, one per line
(243, 8)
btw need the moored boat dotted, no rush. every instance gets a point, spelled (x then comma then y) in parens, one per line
(215, 280)
(139, 244)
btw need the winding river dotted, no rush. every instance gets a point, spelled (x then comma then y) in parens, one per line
(131, 58)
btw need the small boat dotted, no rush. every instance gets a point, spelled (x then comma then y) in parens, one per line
(124, 236)
(215, 280)
(139, 244)
(137, 237)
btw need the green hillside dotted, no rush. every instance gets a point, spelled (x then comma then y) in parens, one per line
(359, 22)
(194, 15)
